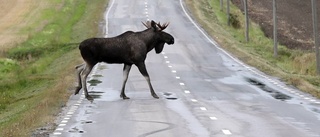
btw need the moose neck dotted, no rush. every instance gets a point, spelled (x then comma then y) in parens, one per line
(149, 37)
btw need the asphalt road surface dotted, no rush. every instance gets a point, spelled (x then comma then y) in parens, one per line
(203, 90)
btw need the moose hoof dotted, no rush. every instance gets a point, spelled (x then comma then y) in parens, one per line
(124, 97)
(90, 98)
(77, 90)
(155, 96)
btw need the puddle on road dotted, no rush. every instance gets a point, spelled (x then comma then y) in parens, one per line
(75, 130)
(95, 94)
(169, 96)
(105, 95)
(87, 122)
(94, 82)
(316, 110)
(102, 67)
(97, 75)
(275, 94)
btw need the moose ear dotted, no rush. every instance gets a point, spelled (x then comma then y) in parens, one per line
(153, 23)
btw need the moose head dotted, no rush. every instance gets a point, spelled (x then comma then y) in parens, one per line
(162, 37)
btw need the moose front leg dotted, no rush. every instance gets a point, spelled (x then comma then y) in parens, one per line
(143, 71)
(126, 70)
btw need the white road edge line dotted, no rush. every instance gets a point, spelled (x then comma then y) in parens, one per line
(62, 125)
(57, 133)
(59, 129)
(106, 18)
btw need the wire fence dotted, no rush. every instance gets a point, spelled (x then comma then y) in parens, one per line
(293, 22)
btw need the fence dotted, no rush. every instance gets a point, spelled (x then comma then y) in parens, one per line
(308, 9)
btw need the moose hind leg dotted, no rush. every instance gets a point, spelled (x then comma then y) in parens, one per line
(126, 70)
(85, 74)
(79, 69)
(144, 72)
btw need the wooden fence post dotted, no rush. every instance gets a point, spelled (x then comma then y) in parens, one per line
(315, 33)
(221, 5)
(275, 29)
(228, 11)
(246, 20)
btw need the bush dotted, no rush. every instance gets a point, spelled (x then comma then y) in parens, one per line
(7, 65)
(24, 53)
(234, 21)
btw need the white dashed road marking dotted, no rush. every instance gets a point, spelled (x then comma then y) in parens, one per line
(194, 100)
(203, 108)
(226, 132)
(213, 118)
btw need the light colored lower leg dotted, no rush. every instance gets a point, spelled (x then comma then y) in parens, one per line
(126, 71)
(85, 74)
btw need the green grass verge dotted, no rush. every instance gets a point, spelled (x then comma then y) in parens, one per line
(295, 67)
(36, 75)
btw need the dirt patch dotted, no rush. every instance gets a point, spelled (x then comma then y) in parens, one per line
(44, 131)
(295, 29)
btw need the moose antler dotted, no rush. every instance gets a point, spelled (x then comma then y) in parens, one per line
(160, 27)
(163, 26)
(147, 24)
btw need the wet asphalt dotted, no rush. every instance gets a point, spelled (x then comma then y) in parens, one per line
(203, 90)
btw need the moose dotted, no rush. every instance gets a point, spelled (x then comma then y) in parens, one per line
(127, 48)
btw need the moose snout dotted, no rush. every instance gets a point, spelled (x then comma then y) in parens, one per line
(171, 42)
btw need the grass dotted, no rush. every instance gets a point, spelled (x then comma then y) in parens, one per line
(35, 75)
(295, 67)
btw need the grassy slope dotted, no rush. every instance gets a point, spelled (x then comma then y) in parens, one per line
(38, 83)
(295, 67)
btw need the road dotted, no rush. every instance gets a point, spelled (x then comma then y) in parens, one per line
(203, 90)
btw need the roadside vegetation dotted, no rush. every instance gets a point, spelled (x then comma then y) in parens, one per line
(296, 67)
(36, 75)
